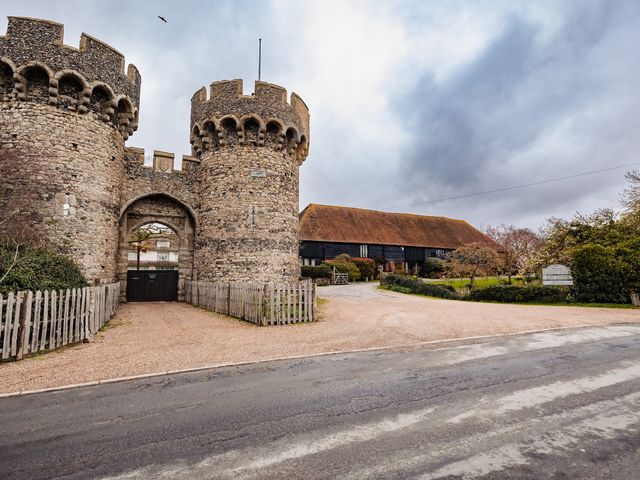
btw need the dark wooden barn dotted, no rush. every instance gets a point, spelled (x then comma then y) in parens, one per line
(326, 231)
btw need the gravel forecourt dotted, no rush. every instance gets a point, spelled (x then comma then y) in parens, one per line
(147, 338)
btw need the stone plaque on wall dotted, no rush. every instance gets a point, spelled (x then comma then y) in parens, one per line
(163, 161)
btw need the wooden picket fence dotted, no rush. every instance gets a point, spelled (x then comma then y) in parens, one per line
(32, 322)
(262, 304)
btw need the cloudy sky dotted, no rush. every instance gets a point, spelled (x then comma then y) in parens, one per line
(412, 102)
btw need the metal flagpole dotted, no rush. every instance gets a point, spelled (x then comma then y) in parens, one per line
(259, 57)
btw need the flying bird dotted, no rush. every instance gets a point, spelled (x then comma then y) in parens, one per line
(163, 19)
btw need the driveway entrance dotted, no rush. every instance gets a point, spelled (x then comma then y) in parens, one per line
(152, 285)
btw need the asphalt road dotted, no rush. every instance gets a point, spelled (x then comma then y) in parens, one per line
(553, 405)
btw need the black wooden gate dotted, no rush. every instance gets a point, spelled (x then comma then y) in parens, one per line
(152, 285)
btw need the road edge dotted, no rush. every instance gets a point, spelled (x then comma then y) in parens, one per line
(445, 342)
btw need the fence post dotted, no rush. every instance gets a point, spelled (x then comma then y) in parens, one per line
(15, 330)
(24, 327)
(314, 305)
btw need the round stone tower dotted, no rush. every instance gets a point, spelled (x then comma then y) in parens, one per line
(250, 148)
(65, 114)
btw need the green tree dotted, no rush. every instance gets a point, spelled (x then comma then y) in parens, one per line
(600, 275)
(344, 264)
(432, 266)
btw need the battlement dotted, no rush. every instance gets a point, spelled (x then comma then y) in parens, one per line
(227, 117)
(31, 40)
(163, 162)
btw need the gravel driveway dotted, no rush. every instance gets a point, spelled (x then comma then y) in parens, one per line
(158, 337)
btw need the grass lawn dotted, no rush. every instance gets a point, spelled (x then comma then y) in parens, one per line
(578, 304)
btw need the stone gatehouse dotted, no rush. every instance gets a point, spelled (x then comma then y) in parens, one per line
(69, 181)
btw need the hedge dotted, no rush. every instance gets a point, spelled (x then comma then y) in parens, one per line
(521, 294)
(319, 271)
(419, 287)
(37, 269)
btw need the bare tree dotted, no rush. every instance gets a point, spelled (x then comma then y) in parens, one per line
(12, 263)
(14, 226)
(631, 194)
(516, 248)
(472, 260)
(11, 202)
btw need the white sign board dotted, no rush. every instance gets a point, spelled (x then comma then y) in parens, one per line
(556, 275)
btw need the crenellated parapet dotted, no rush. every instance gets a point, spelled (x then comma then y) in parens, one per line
(163, 162)
(226, 118)
(35, 66)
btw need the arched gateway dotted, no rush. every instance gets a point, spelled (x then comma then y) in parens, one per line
(166, 210)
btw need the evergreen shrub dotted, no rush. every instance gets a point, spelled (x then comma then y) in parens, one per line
(37, 269)
(601, 275)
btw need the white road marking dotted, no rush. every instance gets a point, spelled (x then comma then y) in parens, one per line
(536, 396)
(537, 341)
(273, 454)
(492, 450)
(617, 417)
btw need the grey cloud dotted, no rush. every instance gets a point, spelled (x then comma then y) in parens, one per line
(479, 129)
(519, 90)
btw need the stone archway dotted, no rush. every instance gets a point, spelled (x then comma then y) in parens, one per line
(166, 210)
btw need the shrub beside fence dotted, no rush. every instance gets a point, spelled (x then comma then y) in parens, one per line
(522, 294)
(418, 286)
(31, 322)
(262, 304)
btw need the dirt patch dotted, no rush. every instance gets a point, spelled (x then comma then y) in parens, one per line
(158, 337)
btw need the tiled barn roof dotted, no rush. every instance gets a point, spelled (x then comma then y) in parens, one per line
(328, 223)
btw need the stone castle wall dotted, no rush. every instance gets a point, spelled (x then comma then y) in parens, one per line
(248, 216)
(159, 177)
(66, 173)
(250, 148)
(65, 114)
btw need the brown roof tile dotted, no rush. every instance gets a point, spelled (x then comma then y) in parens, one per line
(327, 223)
